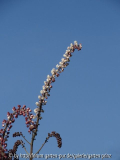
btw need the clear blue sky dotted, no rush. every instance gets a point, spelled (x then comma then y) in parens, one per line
(84, 106)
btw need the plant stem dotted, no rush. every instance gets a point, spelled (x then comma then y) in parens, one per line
(34, 133)
(26, 139)
(42, 146)
(31, 148)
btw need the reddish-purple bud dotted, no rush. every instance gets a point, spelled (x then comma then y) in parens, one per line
(16, 115)
(13, 108)
(53, 80)
(26, 118)
(19, 106)
(10, 122)
(8, 113)
(57, 75)
(10, 126)
(24, 106)
(13, 120)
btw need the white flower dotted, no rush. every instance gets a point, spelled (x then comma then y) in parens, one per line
(36, 110)
(45, 82)
(8, 117)
(63, 60)
(42, 98)
(67, 51)
(43, 87)
(48, 80)
(71, 45)
(57, 66)
(71, 48)
(6, 134)
(31, 126)
(39, 97)
(53, 76)
(61, 63)
(68, 48)
(80, 45)
(37, 104)
(53, 71)
(35, 116)
(66, 60)
(75, 43)
(64, 55)
(42, 91)
(47, 87)
(48, 76)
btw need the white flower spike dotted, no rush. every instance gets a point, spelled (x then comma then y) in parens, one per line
(55, 73)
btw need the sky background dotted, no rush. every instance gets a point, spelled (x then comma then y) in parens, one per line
(84, 106)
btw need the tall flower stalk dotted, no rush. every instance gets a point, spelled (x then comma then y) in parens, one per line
(32, 120)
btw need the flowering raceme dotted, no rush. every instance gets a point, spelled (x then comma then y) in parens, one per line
(55, 73)
(30, 122)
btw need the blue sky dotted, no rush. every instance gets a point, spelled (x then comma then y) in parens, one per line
(84, 106)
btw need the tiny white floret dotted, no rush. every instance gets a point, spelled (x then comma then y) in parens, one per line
(37, 104)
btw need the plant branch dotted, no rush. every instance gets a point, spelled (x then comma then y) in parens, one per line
(24, 148)
(42, 145)
(35, 132)
(37, 122)
(26, 139)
